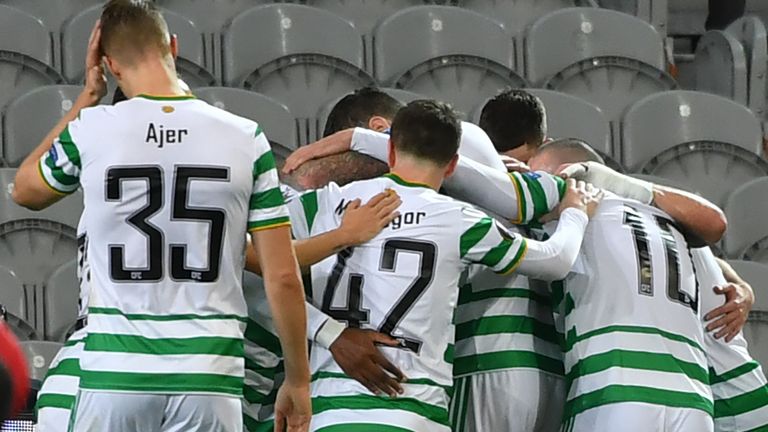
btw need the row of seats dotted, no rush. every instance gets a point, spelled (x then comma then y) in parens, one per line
(589, 52)
(668, 134)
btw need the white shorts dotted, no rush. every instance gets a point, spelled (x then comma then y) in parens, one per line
(133, 412)
(57, 395)
(639, 417)
(517, 400)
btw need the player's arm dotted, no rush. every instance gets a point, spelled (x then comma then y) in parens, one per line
(695, 214)
(489, 244)
(31, 189)
(727, 320)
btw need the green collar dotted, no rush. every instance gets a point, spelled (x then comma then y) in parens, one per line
(399, 180)
(165, 98)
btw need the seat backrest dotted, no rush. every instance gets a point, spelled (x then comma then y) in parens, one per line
(568, 36)
(65, 212)
(12, 294)
(22, 33)
(516, 15)
(40, 354)
(52, 13)
(210, 16)
(77, 30)
(292, 31)
(60, 301)
(277, 121)
(720, 66)
(47, 105)
(571, 117)
(364, 14)
(653, 11)
(437, 31)
(746, 209)
(687, 17)
(751, 33)
(756, 274)
(663, 120)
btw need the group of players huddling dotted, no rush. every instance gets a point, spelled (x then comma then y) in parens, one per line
(441, 292)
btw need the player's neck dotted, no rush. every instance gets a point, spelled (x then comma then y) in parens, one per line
(152, 78)
(419, 173)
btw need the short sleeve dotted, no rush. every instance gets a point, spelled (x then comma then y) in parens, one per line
(538, 193)
(60, 166)
(306, 208)
(484, 241)
(267, 207)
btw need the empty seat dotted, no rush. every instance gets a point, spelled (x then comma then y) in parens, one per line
(39, 355)
(720, 66)
(679, 135)
(602, 56)
(296, 67)
(65, 212)
(364, 14)
(747, 231)
(660, 181)
(46, 105)
(190, 64)
(756, 328)
(60, 301)
(687, 17)
(276, 120)
(441, 61)
(516, 15)
(26, 54)
(750, 31)
(210, 16)
(652, 11)
(12, 295)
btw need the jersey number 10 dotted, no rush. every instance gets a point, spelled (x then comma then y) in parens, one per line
(181, 211)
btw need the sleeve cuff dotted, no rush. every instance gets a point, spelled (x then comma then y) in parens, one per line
(329, 332)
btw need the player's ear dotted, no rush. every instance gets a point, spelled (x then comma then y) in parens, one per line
(391, 157)
(451, 167)
(174, 45)
(378, 124)
(113, 67)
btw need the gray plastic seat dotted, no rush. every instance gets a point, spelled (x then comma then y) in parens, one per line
(516, 15)
(190, 64)
(297, 67)
(275, 118)
(401, 95)
(46, 105)
(364, 14)
(441, 61)
(756, 274)
(652, 11)
(26, 54)
(756, 329)
(65, 212)
(39, 355)
(747, 231)
(750, 31)
(720, 66)
(605, 57)
(660, 181)
(210, 16)
(687, 17)
(13, 297)
(61, 296)
(679, 135)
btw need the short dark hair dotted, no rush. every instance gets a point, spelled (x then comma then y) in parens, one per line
(572, 150)
(513, 118)
(130, 28)
(428, 130)
(355, 109)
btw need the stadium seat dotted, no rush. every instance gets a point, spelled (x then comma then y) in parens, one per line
(39, 354)
(277, 121)
(602, 56)
(660, 180)
(403, 96)
(720, 66)
(364, 14)
(297, 67)
(652, 11)
(26, 54)
(516, 15)
(756, 329)
(60, 301)
(34, 244)
(751, 33)
(687, 17)
(441, 61)
(679, 135)
(13, 297)
(747, 231)
(191, 62)
(46, 105)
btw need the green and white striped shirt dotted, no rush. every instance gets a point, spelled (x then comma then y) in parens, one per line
(171, 186)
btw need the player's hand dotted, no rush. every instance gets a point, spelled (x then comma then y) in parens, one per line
(730, 318)
(95, 79)
(332, 144)
(580, 195)
(356, 353)
(362, 223)
(514, 165)
(293, 408)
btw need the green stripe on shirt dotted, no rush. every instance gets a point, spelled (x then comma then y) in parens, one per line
(474, 235)
(260, 336)
(434, 413)
(714, 378)
(637, 360)
(538, 196)
(466, 295)
(263, 164)
(573, 338)
(268, 199)
(495, 255)
(623, 393)
(162, 383)
(309, 203)
(169, 317)
(268, 223)
(500, 360)
(742, 403)
(506, 324)
(205, 345)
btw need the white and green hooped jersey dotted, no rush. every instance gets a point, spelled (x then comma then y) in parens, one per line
(171, 185)
(632, 315)
(738, 383)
